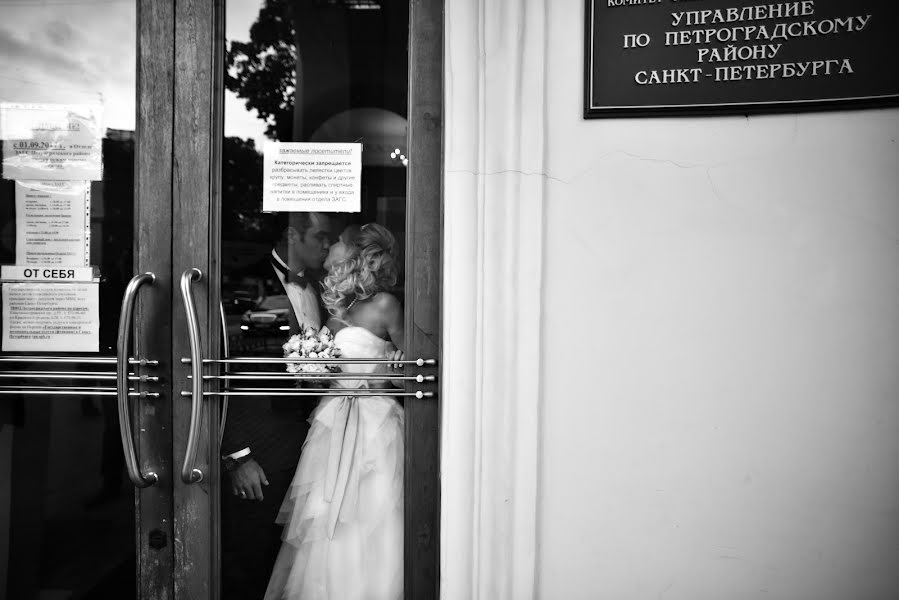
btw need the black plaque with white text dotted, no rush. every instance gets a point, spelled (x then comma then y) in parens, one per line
(662, 57)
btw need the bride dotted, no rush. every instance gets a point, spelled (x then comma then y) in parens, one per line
(343, 513)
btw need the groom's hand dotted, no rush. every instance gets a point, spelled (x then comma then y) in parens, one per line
(247, 481)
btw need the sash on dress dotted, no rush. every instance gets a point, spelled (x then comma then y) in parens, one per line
(347, 447)
(343, 415)
(344, 433)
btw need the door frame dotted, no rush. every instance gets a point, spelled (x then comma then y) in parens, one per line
(424, 239)
(196, 152)
(152, 324)
(196, 134)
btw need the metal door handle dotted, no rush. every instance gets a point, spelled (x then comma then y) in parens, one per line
(137, 478)
(189, 473)
(226, 350)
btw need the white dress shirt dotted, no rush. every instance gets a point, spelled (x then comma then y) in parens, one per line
(303, 300)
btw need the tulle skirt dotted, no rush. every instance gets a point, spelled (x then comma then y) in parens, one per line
(345, 544)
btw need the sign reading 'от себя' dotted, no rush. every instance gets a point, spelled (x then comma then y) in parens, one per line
(658, 57)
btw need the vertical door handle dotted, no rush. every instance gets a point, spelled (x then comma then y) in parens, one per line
(122, 353)
(189, 473)
(226, 350)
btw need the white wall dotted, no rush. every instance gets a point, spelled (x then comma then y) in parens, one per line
(720, 380)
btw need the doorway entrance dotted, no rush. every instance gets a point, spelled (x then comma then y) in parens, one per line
(117, 443)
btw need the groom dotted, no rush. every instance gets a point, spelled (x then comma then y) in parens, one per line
(263, 435)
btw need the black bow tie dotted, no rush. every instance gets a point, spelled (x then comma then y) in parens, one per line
(290, 276)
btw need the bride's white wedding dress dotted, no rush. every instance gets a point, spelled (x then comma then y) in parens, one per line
(343, 513)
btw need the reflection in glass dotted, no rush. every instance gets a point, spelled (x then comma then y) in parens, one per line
(327, 71)
(66, 508)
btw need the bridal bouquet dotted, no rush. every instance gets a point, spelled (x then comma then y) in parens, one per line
(310, 343)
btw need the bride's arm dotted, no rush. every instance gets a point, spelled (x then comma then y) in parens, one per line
(391, 313)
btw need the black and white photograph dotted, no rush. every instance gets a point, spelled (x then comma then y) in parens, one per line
(449, 300)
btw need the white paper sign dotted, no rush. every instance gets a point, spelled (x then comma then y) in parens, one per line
(51, 317)
(52, 141)
(46, 273)
(305, 176)
(53, 223)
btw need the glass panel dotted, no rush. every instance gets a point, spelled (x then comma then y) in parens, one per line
(319, 75)
(67, 116)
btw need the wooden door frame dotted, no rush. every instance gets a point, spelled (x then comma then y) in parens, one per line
(152, 417)
(195, 188)
(424, 241)
(196, 197)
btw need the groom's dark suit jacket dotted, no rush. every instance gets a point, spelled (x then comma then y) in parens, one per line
(274, 429)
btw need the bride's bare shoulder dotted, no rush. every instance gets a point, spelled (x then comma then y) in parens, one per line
(385, 301)
(389, 312)
(379, 314)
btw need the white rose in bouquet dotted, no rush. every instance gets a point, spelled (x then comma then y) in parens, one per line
(311, 344)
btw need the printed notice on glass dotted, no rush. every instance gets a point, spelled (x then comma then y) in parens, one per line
(51, 317)
(52, 141)
(53, 223)
(303, 176)
(47, 273)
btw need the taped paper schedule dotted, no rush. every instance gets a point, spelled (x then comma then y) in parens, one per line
(52, 223)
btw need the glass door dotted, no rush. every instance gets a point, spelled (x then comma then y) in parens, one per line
(306, 191)
(85, 250)
(86, 374)
(148, 289)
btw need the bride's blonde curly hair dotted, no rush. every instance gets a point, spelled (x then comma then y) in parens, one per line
(368, 268)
